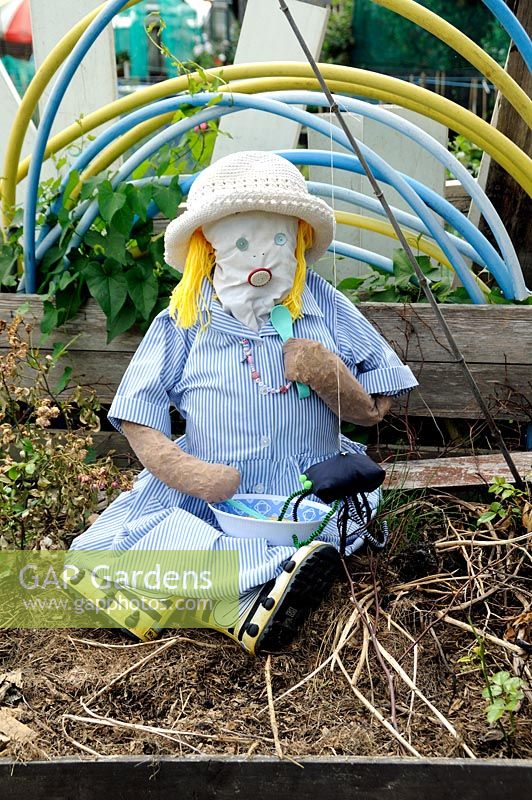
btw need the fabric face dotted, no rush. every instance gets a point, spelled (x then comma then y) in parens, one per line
(255, 263)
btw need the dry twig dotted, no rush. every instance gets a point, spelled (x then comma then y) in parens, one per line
(273, 719)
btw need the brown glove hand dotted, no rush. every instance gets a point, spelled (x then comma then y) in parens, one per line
(310, 362)
(179, 470)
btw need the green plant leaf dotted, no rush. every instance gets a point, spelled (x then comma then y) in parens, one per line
(23, 309)
(109, 201)
(495, 298)
(141, 170)
(350, 284)
(487, 516)
(401, 264)
(143, 289)
(123, 321)
(63, 216)
(168, 198)
(107, 284)
(426, 265)
(514, 684)
(90, 185)
(51, 263)
(384, 296)
(142, 233)
(139, 199)
(69, 300)
(72, 182)
(122, 221)
(66, 279)
(495, 710)
(49, 318)
(500, 678)
(459, 295)
(95, 240)
(8, 259)
(115, 246)
(63, 381)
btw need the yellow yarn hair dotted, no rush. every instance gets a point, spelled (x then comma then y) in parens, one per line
(186, 298)
(294, 299)
(187, 304)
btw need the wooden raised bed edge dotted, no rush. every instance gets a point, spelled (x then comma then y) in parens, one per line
(261, 778)
(496, 341)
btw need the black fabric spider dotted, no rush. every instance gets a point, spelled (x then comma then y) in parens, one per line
(345, 481)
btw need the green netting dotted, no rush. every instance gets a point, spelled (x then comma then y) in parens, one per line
(386, 42)
(180, 33)
(20, 71)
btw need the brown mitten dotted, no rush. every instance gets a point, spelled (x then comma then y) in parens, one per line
(179, 470)
(310, 362)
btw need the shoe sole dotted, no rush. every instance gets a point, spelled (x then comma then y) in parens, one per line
(297, 592)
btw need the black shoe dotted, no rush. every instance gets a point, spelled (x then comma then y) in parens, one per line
(272, 615)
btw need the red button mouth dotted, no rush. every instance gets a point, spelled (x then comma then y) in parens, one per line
(259, 277)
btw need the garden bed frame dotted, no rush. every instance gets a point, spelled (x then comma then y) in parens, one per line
(225, 778)
(496, 341)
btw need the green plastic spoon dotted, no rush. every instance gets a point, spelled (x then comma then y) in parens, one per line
(250, 512)
(281, 320)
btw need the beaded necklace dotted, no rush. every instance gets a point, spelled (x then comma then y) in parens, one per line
(255, 375)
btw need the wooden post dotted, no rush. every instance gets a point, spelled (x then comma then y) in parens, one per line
(510, 200)
(266, 36)
(94, 83)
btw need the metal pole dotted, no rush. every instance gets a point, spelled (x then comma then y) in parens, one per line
(459, 358)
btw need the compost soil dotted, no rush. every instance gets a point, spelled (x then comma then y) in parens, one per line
(96, 693)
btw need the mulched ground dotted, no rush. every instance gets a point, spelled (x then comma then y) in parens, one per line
(392, 670)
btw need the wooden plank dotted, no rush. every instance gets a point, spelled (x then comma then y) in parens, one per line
(450, 472)
(510, 200)
(443, 393)
(497, 341)
(457, 196)
(89, 326)
(509, 396)
(433, 473)
(487, 334)
(106, 442)
(224, 778)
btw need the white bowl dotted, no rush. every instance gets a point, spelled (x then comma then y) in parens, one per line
(235, 522)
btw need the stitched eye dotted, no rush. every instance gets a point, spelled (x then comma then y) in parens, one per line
(280, 238)
(242, 243)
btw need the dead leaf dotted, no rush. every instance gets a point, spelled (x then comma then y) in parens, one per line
(14, 730)
(492, 736)
(520, 627)
(527, 517)
(456, 705)
(10, 686)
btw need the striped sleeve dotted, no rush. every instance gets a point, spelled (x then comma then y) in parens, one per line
(368, 355)
(143, 393)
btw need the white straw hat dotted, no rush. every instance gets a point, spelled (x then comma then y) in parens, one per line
(249, 181)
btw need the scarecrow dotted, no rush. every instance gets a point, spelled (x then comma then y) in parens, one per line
(244, 245)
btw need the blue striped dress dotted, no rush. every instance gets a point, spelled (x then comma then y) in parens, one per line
(270, 438)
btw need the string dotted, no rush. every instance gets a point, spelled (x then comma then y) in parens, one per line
(335, 281)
